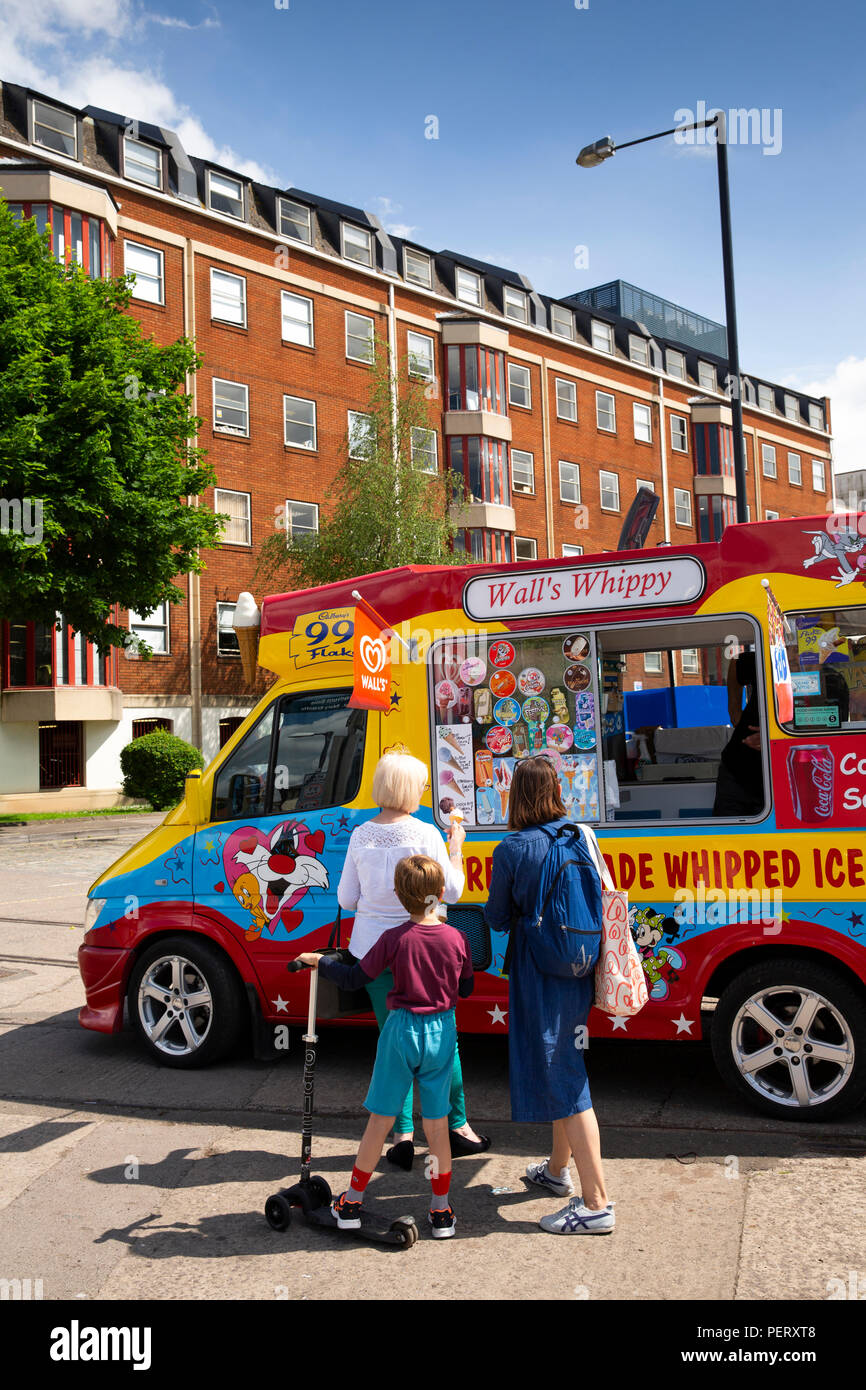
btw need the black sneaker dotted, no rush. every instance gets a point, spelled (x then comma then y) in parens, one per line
(442, 1223)
(348, 1214)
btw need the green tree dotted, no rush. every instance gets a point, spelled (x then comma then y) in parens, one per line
(387, 511)
(97, 448)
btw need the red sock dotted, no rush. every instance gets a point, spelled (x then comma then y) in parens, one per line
(358, 1184)
(440, 1187)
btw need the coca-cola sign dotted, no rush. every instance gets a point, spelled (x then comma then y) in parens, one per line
(655, 583)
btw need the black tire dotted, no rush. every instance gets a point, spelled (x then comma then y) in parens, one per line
(183, 968)
(788, 1080)
(278, 1212)
(405, 1231)
(320, 1192)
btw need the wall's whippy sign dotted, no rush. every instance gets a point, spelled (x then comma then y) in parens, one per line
(643, 584)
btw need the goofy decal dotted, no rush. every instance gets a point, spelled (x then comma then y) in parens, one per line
(270, 875)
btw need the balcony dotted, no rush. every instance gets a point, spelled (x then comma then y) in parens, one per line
(51, 675)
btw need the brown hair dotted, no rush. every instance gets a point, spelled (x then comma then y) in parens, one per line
(535, 797)
(418, 883)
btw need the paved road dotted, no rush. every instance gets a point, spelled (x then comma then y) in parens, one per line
(121, 1179)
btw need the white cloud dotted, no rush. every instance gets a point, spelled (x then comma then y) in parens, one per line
(386, 212)
(845, 384)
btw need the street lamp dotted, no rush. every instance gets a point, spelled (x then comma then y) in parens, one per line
(595, 154)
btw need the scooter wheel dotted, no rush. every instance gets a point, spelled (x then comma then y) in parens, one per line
(300, 1196)
(320, 1192)
(278, 1212)
(406, 1233)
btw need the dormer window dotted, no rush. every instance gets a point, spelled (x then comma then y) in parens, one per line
(816, 417)
(676, 364)
(357, 244)
(417, 267)
(602, 336)
(142, 163)
(792, 408)
(468, 287)
(294, 220)
(514, 304)
(225, 194)
(638, 349)
(56, 130)
(766, 398)
(707, 376)
(561, 321)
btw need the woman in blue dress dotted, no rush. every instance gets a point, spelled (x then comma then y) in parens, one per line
(547, 1014)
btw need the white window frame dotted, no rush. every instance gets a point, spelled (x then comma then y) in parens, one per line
(363, 234)
(602, 474)
(649, 664)
(573, 482)
(766, 399)
(140, 627)
(770, 515)
(769, 466)
(56, 111)
(681, 447)
(571, 392)
(798, 481)
(222, 627)
(526, 460)
(607, 396)
(221, 492)
(674, 359)
(526, 540)
(460, 289)
(644, 482)
(640, 407)
(638, 349)
(521, 405)
(559, 315)
(158, 280)
(350, 314)
(233, 431)
(284, 215)
(515, 304)
(816, 417)
(310, 340)
(413, 277)
(130, 143)
(816, 464)
(358, 435)
(303, 530)
(704, 369)
(242, 301)
(682, 506)
(303, 448)
(571, 550)
(602, 336)
(210, 174)
(416, 447)
(792, 408)
(428, 354)
(694, 666)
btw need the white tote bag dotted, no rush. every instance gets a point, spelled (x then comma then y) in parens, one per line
(620, 983)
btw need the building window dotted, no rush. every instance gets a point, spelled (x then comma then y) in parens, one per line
(768, 460)
(152, 628)
(609, 489)
(140, 727)
(300, 422)
(795, 470)
(689, 661)
(360, 434)
(676, 364)
(359, 337)
(566, 399)
(818, 482)
(679, 434)
(605, 412)
(816, 417)
(515, 304)
(482, 463)
(707, 376)
(417, 267)
(236, 505)
(643, 425)
(61, 761)
(468, 287)
(229, 726)
(294, 220)
(569, 481)
(145, 266)
(645, 483)
(225, 195)
(227, 638)
(682, 506)
(228, 298)
(792, 408)
(302, 519)
(420, 349)
(602, 336)
(522, 471)
(652, 663)
(357, 244)
(766, 399)
(297, 319)
(561, 321)
(519, 386)
(571, 550)
(770, 516)
(425, 449)
(525, 548)
(231, 414)
(638, 349)
(476, 379)
(142, 163)
(56, 130)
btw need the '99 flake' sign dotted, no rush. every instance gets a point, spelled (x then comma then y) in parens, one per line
(320, 638)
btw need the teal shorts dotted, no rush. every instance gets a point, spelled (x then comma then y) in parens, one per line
(414, 1047)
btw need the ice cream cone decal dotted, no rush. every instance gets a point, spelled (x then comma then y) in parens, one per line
(246, 623)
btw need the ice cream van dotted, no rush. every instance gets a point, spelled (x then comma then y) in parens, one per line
(747, 884)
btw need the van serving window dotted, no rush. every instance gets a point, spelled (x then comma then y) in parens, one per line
(827, 660)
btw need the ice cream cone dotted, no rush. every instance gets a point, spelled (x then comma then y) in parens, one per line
(246, 623)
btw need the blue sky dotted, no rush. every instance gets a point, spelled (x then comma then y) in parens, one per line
(334, 96)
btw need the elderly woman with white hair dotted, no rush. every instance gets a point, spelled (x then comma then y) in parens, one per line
(367, 887)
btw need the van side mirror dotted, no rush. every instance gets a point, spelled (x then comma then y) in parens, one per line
(194, 798)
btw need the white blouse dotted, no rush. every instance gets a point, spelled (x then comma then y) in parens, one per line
(367, 880)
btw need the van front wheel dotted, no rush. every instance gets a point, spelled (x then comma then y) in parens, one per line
(185, 1002)
(790, 1036)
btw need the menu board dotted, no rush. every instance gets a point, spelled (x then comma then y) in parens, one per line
(501, 699)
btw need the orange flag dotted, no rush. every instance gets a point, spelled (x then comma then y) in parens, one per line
(371, 665)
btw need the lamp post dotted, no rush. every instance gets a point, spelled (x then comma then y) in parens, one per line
(597, 153)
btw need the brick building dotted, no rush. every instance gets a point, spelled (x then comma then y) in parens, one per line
(554, 410)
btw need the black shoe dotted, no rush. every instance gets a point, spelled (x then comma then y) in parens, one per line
(348, 1214)
(462, 1147)
(442, 1223)
(402, 1155)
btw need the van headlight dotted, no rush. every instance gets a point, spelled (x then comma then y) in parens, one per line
(94, 907)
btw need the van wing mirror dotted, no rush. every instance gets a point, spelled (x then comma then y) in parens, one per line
(194, 798)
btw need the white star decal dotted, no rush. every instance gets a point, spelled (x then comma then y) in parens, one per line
(619, 1023)
(684, 1025)
(281, 1004)
(497, 1015)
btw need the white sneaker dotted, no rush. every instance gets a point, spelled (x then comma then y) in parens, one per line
(577, 1220)
(540, 1173)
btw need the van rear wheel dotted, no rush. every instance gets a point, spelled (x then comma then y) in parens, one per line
(790, 1036)
(185, 1002)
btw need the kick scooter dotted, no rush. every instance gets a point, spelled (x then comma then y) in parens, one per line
(312, 1194)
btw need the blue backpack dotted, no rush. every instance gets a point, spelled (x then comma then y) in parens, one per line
(564, 931)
